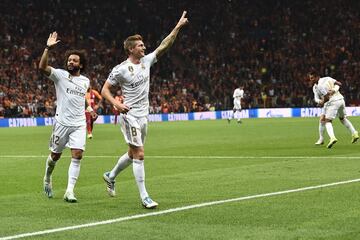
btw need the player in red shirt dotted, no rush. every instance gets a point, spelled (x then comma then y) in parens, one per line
(118, 97)
(91, 97)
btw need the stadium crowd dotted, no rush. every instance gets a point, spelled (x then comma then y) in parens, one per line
(266, 46)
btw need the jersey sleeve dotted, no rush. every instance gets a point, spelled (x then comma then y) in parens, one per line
(332, 80)
(114, 77)
(55, 74)
(241, 94)
(323, 91)
(237, 93)
(150, 58)
(316, 95)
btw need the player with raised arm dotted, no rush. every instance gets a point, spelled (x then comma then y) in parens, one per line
(69, 129)
(238, 95)
(333, 102)
(133, 76)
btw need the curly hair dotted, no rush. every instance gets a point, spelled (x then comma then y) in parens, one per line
(82, 56)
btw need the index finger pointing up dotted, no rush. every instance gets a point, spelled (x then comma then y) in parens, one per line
(183, 14)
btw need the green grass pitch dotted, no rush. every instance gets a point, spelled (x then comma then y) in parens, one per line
(207, 161)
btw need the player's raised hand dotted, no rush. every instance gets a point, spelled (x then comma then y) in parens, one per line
(52, 40)
(183, 20)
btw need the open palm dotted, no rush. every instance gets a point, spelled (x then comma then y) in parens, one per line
(52, 40)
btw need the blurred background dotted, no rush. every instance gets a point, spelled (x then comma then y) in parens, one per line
(266, 46)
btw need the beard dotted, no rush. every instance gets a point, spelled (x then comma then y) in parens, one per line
(73, 69)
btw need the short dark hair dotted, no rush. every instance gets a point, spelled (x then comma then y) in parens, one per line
(82, 56)
(313, 72)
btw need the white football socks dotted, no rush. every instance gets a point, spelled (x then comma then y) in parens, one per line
(123, 162)
(73, 173)
(330, 130)
(348, 125)
(49, 168)
(139, 174)
(321, 130)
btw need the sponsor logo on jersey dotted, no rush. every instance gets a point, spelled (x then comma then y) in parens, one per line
(142, 80)
(77, 91)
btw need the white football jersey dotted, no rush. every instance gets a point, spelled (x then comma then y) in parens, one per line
(134, 80)
(317, 96)
(326, 84)
(70, 95)
(238, 93)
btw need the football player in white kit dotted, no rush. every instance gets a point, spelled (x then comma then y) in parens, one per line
(133, 76)
(318, 100)
(333, 102)
(69, 129)
(238, 95)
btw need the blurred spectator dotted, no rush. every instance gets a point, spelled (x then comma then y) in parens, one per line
(267, 46)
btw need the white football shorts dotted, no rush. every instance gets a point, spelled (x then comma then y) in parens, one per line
(64, 136)
(237, 104)
(335, 108)
(134, 129)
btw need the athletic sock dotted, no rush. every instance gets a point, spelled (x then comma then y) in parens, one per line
(330, 130)
(139, 174)
(321, 130)
(123, 162)
(49, 168)
(73, 174)
(348, 125)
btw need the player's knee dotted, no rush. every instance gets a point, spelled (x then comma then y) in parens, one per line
(77, 154)
(55, 156)
(138, 153)
(130, 153)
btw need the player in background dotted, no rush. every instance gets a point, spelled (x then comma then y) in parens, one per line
(318, 101)
(133, 76)
(93, 99)
(333, 102)
(119, 98)
(238, 95)
(69, 129)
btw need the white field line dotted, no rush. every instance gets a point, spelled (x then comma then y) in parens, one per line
(197, 157)
(171, 210)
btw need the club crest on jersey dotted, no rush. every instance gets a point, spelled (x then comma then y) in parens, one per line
(131, 70)
(142, 66)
